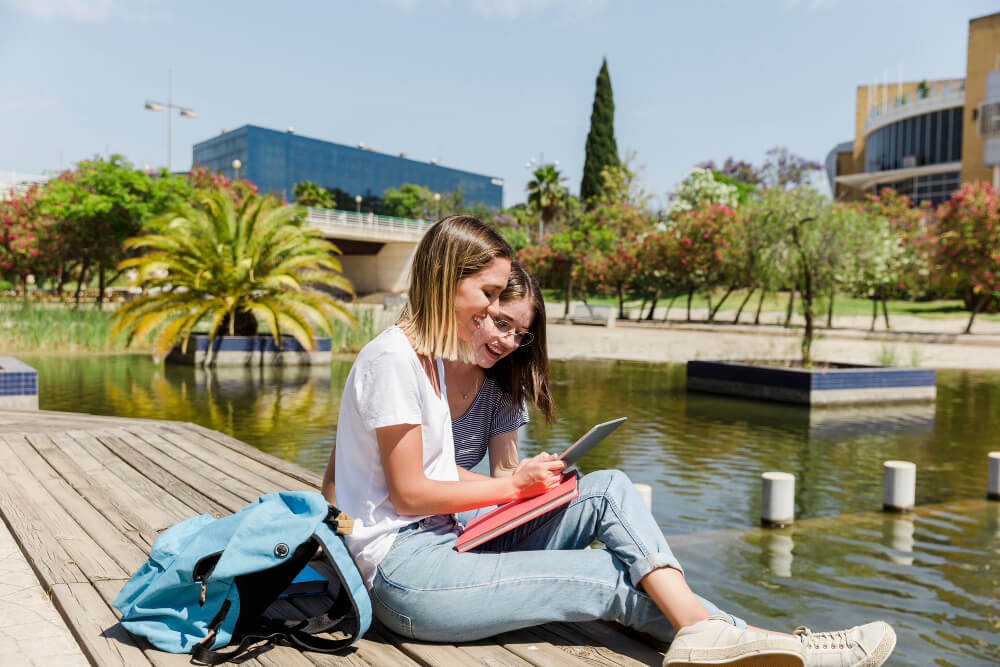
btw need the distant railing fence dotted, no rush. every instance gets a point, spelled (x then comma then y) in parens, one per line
(378, 223)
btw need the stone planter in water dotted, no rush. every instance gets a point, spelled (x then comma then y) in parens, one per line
(18, 385)
(258, 350)
(833, 384)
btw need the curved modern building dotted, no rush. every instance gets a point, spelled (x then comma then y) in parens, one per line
(926, 138)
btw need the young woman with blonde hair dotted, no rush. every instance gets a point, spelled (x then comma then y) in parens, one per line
(394, 470)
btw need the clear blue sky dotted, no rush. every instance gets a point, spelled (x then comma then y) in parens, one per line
(483, 85)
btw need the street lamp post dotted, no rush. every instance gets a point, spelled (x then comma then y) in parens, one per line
(185, 112)
(236, 168)
(357, 202)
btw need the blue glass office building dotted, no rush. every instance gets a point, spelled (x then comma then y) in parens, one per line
(276, 161)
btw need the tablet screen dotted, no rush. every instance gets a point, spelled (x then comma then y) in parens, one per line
(589, 439)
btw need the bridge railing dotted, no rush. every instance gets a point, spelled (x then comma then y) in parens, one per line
(380, 223)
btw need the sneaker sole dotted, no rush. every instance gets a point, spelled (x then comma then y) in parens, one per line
(882, 651)
(773, 659)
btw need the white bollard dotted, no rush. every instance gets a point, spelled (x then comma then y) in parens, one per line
(899, 486)
(993, 478)
(646, 493)
(777, 498)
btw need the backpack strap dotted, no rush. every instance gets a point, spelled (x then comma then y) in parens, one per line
(202, 654)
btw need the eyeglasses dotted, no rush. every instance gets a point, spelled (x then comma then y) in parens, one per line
(522, 338)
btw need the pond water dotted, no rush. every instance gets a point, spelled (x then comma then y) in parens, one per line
(934, 574)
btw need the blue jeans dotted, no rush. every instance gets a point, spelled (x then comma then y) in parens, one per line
(539, 572)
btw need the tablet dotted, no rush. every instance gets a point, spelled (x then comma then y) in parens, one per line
(589, 439)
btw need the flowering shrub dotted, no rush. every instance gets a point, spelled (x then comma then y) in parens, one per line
(700, 188)
(967, 252)
(28, 244)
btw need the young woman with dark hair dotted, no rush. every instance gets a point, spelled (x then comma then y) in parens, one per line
(510, 370)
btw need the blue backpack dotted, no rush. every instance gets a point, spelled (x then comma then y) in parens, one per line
(213, 582)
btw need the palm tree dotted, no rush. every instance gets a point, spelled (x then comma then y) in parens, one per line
(546, 194)
(230, 266)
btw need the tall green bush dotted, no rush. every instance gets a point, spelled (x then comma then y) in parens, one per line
(601, 148)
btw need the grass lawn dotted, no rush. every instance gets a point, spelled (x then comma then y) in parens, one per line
(61, 328)
(843, 305)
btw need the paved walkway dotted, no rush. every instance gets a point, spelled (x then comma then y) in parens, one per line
(913, 341)
(31, 630)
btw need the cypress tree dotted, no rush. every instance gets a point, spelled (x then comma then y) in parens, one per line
(602, 150)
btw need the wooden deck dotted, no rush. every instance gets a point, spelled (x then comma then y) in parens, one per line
(85, 496)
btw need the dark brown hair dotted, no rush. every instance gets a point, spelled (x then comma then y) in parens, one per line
(524, 373)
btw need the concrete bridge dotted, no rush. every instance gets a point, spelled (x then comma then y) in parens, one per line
(377, 249)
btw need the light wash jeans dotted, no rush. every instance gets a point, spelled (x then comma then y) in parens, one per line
(540, 572)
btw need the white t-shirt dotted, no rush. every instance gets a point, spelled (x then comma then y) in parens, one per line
(386, 386)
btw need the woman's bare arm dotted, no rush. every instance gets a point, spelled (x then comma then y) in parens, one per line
(413, 493)
(503, 454)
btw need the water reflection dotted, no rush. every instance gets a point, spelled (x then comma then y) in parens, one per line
(290, 412)
(934, 576)
(897, 534)
(776, 553)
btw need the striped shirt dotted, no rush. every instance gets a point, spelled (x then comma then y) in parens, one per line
(492, 411)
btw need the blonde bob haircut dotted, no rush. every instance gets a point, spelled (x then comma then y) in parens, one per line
(454, 248)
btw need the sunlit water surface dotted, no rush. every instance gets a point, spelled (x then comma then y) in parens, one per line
(935, 574)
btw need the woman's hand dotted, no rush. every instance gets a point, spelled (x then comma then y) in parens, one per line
(537, 475)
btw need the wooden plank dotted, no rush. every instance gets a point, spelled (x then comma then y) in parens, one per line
(160, 510)
(138, 453)
(161, 451)
(242, 481)
(116, 510)
(612, 636)
(162, 481)
(431, 654)
(540, 653)
(105, 535)
(307, 477)
(101, 475)
(488, 653)
(376, 650)
(102, 638)
(568, 639)
(48, 559)
(264, 465)
(52, 518)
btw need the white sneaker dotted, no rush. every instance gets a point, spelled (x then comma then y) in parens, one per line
(866, 645)
(716, 641)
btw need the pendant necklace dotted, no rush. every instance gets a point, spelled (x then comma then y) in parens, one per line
(475, 384)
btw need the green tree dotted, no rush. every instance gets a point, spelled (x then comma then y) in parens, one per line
(310, 193)
(814, 231)
(602, 149)
(546, 195)
(100, 204)
(411, 201)
(232, 265)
